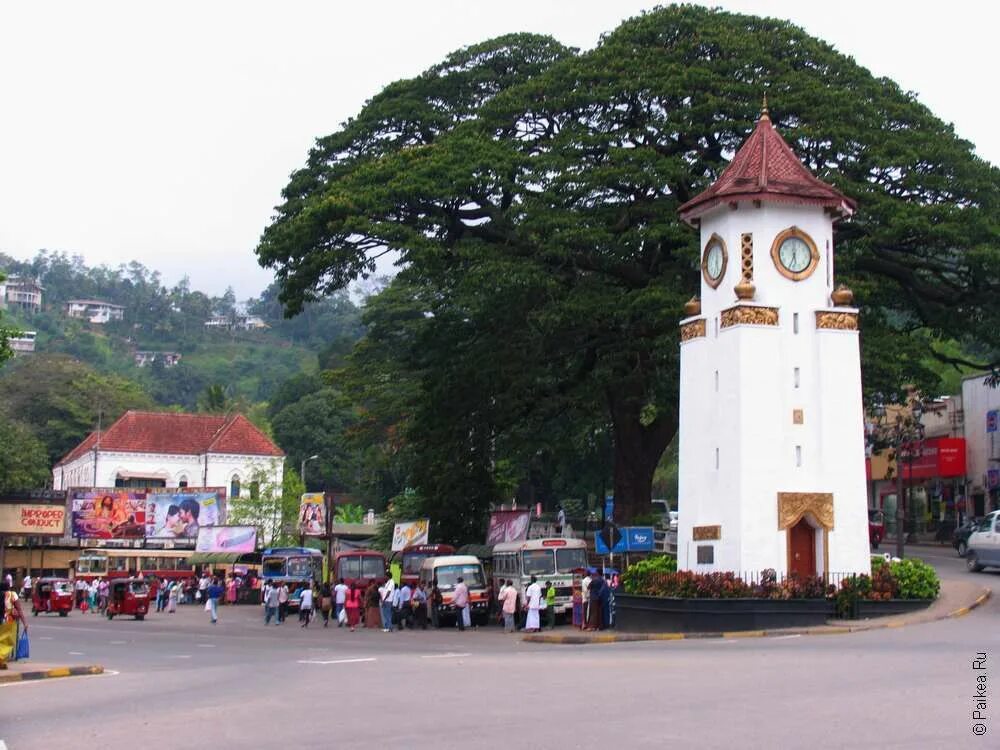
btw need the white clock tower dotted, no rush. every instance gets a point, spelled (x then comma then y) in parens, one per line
(772, 456)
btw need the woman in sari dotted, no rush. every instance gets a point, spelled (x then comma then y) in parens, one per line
(353, 607)
(172, 593)
(373, 617)
(10, 613)
(231, 591)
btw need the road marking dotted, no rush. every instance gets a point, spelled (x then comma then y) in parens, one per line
(179, 656)
(77, 653)
(3, 745)
(443, 656)
(336, 661)
(786, 637)
(118, 643)
(41, 638)
(206, 645)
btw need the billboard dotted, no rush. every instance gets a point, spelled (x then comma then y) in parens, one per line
(508, 526)
(31, 518)
(226, 539)
(410, 532)
(108, 513)
(179, 512)
(312, 514)
(175, 513)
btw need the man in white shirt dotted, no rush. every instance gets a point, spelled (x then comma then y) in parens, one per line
(339, 600)
(282, 602)
(26, 587)
(586, 597)
(387, 592)
(306, 605)
(461, 602)
(534, 596)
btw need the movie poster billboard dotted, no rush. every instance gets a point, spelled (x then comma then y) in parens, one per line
(508, 526)
(226, 539)
(179, 512)
(410, 532)
(312, 514)
(108, 513)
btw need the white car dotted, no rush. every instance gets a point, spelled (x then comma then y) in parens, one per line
(673, 520)
(984, 544)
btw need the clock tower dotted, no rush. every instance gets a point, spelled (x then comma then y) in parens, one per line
(772, 456)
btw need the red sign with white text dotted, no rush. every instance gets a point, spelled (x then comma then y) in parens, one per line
(934, 458)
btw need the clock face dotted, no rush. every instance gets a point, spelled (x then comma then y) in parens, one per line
(713, 261)
(795, 255)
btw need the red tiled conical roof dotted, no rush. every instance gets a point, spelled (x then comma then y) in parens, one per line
(766, 169)
(186, 434)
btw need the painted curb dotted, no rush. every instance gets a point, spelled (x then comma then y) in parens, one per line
(577, 640)
(47, 674)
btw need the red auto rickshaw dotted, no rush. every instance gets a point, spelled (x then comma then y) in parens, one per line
(128, 596)
(52, 595)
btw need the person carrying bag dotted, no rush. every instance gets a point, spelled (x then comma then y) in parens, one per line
(10, 615)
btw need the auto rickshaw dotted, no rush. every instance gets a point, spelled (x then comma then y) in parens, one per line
(128, 596)
(52, 595)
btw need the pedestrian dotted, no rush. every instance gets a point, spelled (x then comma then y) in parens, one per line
(203, 583)
(606, 595)
(173, 593)
(386, 594)
(10, 614)
(161, 596)
(81, 591)
(585, 594)
(560, 521)
(353, 607)
(533, 594)
(214, 593)
(92, 595)
(282, 602)
(325, 603)
(460, 600)
(403, 610)
(231, 591)
(419, 605)
(594, 618)
(271, 594)
(577, 606)
(305, 606)
(436, 603)
(103, 588)
(508, 605)
(550, 603)
(373, 616)
(26, 587)
(339, 600)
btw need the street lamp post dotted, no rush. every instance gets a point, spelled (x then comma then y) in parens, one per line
(302, 473)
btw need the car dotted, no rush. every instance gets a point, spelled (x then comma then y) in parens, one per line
(960, 536)
(984, 544)
(673, 520)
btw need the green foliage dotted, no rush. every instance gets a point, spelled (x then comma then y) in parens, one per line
(272, 509)
(214, 399)
(349, 514)
(636, 577)
(24, 463)
(915, 579)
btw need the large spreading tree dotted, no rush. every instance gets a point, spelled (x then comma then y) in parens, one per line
(530, 194)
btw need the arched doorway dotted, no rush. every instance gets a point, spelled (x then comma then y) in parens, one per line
(802, 549)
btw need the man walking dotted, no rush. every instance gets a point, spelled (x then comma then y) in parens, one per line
(214, 593)
(282, 602)
(461, 602)
(508, 604)
(386, 594)
(271, 604)
(306, 605)
(532, 623)
(339, 601)
(550, 603)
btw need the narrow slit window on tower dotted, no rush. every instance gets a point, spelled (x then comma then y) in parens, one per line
(716, 381)
(798, 455)
(716, 327)
(716, 458)
(795, 322)
(795, 377)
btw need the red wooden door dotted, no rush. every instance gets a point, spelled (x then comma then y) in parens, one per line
(802, 549)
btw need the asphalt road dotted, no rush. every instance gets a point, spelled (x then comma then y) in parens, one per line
(178, 681)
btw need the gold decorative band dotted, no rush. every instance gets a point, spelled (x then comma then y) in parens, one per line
(837, 321)
(793, 505)
(747, 315)
(693, 329)
(706, 533)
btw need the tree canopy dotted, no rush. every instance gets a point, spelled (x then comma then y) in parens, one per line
(530, 194)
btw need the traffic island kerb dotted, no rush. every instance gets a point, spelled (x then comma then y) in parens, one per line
(16, 675)
(579, 638)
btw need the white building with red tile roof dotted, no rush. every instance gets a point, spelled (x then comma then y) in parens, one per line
(167, 449)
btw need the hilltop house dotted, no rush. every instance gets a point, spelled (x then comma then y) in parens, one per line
(169, 359)
(21, 293)
(165, 449)
(94, 310)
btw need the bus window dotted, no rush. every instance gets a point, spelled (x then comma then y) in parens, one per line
(300, 567)
(374, 567)
(411, 563)
(568, 560)
(349, 567)
(448, 575)
(537, 562)
(274, 566)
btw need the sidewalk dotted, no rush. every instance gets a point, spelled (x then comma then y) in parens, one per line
(28, 669)
(957, 598)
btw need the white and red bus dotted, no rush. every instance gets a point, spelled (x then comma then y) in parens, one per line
(552, 560)
(412, 557)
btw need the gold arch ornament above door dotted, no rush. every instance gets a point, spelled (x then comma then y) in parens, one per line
(793, 506)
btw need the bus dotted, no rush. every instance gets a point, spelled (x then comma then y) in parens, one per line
(358, 567)
(444, 573)
(296, 567)
(553, 560)
(412, 557)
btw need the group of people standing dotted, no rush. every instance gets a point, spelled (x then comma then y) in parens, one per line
(592, 602)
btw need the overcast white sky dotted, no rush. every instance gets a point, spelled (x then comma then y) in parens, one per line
(165, 132)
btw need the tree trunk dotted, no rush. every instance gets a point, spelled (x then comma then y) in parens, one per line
(637, 452)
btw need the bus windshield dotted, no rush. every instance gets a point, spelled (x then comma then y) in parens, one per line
(300, 567)
(538, 562)
(273, 566)
(448, 575)
(568, 560)
(373, 567)
(412, 562)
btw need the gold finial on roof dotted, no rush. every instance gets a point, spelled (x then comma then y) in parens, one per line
(764, 114)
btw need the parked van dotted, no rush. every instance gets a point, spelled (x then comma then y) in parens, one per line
(444, 573)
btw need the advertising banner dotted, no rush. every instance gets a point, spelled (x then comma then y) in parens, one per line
(108, 513)
(639, 539)
(508, 526)
(410, 532)
(226, 539)
(312, 514)
(37, 520)
(178, 513)
(992, 420)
